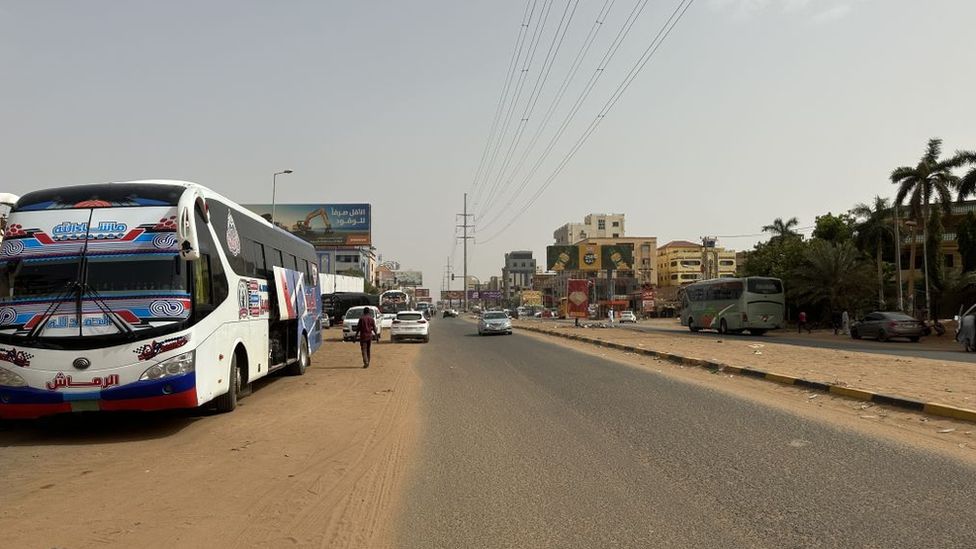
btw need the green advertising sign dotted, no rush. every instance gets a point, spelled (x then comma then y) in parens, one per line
(562, 258)
(618, 256)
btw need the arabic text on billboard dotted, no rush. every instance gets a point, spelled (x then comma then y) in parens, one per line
(322, 225)
(452, 294)
(421, 292)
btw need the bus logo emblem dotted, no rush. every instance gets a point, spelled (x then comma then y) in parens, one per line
(81, 363)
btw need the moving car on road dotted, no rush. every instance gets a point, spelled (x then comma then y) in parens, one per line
(884, 325)
(410, 325)
(628, 316)
(351, 320)
(450, 313)
(495, 322)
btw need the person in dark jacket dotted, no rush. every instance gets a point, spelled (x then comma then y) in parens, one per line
(366, 329)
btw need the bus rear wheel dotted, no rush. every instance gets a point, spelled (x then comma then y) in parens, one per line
(227, 402)
(304, 359)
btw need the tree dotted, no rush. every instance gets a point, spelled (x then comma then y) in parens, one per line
(834, 228)
(966, 237)
(931, 178)
(874, 232)
(833, 275)
(967, 183)
(934, 251)
(782, 229)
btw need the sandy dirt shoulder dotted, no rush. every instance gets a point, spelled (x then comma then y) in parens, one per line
(310, 461)
(948, 437)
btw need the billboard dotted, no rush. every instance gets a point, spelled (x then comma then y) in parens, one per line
(493, 295)
(577, 298)
(408, 278)
(322, 225)
(452, 295)
(421, 292)
(562, 258)
(617, 256)
(590, 257)
(532, 298)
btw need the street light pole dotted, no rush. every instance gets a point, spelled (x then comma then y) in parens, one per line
(274, 188)
(901, 302)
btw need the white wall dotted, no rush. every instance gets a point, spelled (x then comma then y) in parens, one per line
(330, 283)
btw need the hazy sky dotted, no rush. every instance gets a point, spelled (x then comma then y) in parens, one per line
(751, 110)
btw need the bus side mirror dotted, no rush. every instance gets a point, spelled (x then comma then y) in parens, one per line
(186, 224)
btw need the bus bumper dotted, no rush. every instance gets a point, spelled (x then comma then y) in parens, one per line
(163, 394)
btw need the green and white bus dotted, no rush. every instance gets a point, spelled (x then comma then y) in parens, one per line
(733, 305)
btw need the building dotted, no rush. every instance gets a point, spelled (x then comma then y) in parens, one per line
(645, 255)
(518, 272)
(495, 283)
(593, 226)
(680, 262)
(343, 260)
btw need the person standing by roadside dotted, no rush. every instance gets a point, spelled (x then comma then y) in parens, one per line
(801, 323)
(366, 329)
(846, 322)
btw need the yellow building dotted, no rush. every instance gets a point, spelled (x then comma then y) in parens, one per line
(679, 262)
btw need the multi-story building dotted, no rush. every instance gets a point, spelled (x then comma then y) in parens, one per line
(679, 262)
(518, 272)
(593, 226)
(645, 256)
(343, 260)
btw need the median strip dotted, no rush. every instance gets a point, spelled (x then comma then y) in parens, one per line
(929, 408)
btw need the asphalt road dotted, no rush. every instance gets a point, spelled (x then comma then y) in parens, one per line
(903, 348)
(529, 444)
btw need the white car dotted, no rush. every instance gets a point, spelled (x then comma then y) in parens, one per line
(410, 325)
(351, 320)
(386, 320)
(495, 322)
(628, 316)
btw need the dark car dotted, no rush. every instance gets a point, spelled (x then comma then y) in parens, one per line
(886, 325)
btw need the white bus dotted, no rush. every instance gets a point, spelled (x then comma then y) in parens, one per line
(733, 305)
(147, 295)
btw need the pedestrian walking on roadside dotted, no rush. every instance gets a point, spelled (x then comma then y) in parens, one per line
(366, 329)
(610, 317)
(801, 323)
(846, 322)
(836, 321)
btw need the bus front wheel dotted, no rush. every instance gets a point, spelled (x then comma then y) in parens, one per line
(227, 402)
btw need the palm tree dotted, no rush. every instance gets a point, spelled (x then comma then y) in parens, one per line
(873, 230)
(967, 183)
(782, 229)
(931, 178)
(833, 274)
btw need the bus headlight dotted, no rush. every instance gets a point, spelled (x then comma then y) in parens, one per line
(10, 379)
(174, 366)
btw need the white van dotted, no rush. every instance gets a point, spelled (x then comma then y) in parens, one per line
(351, 321)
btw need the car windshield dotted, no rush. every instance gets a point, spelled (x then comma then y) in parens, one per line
(495, 316)
(409, 316)
(353, 314)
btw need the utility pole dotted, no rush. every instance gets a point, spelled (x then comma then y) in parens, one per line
(464, 226)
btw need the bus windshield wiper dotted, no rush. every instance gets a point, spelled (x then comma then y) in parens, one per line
(120, 324)
(71, 290)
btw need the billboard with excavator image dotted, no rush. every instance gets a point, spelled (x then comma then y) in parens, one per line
(322, 225)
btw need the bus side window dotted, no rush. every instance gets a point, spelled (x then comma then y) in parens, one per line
(273, 258)
(308, 274)
(260, 268)
(247, 253)
(292, 262)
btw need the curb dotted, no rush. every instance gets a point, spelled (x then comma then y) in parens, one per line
(930, 408)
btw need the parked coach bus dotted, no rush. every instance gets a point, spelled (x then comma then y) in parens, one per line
(733, 305)
(147, 295)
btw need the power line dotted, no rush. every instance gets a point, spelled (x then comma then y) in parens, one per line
(530, 55)
(587, 89)
(570, 76)
(649, 53)
(554, 46)
(516, 53)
